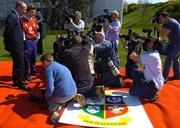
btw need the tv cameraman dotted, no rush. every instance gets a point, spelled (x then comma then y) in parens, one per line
(76, 24)
(171, 29)
(111, 29)
(146, 83)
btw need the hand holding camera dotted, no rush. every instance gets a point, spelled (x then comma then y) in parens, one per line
(71, 20)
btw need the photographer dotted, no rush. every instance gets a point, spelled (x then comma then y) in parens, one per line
(146, 83)
(112, 29)
(131, 44)
(171, 29)
(76, 59)
(76, 24)
(57, 48)
(106, 54)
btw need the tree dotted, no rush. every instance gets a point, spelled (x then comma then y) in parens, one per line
(55, 10)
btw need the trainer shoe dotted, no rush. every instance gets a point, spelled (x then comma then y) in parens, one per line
(24, 87)
(154, 98)
(80, 99)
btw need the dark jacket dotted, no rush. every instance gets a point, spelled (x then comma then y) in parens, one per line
(76, 59)
(13, 33)
(107, 50)
(41, 29)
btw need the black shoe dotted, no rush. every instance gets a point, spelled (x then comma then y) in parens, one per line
(34, 73)
(17, 83)
(174, 78)
(121, 82)
(154, 98)
(14, 85)
(24, 87)
(28, 79)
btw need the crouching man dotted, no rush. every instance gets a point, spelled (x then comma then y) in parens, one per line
(60, 86)
(146, 83)
(107, 62)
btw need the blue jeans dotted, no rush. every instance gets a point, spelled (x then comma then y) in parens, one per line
(56, 102)
(130, 67)
(172, 53)
(142, 89)
(30, 47)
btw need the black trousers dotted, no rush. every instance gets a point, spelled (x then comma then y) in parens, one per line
(17, 54)
(40, 46)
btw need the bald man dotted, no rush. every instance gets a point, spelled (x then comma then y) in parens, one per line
(13, 40)
(105, 50)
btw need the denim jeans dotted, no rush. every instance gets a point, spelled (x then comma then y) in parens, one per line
(130, 67)
(30, 47)
(172, 53)
(56, 102)
(140, 88)
(106, 76)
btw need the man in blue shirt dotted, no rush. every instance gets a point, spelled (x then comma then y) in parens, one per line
(171, 29)
(60, 86)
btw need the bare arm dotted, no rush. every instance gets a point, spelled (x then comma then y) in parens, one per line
(134, 56)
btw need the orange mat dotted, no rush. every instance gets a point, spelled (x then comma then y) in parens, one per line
(17, 111)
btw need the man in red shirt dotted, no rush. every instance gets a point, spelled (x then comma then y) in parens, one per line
(29, 23)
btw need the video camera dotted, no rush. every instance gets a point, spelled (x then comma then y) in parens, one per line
(126, 37)
(102, 17)
(136, 42)
(66, 40)
(133, 42)
(67, 13)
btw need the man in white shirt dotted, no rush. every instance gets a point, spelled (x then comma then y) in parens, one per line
(146, 83)
(75, 25)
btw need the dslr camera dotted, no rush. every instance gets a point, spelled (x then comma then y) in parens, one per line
(148, 31)
(155, 20)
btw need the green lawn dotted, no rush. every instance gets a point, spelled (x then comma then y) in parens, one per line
(133, 20)
(48, 48)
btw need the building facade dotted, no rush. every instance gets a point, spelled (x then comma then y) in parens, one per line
(6, 6)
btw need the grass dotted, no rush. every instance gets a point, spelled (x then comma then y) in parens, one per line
(48, 47)
(134, 20)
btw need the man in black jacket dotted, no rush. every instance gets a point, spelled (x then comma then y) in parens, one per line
(107, 62)
(76, 59)
(13, 40)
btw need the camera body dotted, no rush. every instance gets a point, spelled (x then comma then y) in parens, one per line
(148, 31)
(155, 20)
(68, 14)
